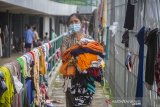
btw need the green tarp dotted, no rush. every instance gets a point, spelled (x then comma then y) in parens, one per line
(78, 2)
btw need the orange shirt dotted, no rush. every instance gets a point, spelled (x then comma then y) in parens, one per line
(84, 60)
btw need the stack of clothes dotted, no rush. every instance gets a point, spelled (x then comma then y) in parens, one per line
(82, 66)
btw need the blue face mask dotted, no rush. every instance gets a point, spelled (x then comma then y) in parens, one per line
(74, 27)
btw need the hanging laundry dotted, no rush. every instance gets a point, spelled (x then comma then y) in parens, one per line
(43, 91)
(104, 18)
(1, 52)
(58, 53)
(17, 99)
(32, 54)
(18, 85)
(35, 71)
(133, 2)
(157, 72)
(42, 63)
(100, 6)
(25, 72)
(23, 66)
(3, 86)
(6, 98)
(125, 38)
(129, 19)
(139, 88)
(157, 64)
(151, 42)
(30, 96)
(29, 62)
(128, 62)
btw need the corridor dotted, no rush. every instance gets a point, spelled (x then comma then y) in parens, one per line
(101, 53)
(59, 100)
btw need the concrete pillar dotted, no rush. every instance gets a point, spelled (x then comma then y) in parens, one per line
(62, 28)
(45, 25)
(53, 22)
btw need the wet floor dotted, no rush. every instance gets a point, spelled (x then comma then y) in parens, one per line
(58, 95)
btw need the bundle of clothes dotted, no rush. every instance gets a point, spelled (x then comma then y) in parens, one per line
(82, 65)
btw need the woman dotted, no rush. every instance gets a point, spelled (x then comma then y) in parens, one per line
(36, 36)
(80, 56)
(74, 24)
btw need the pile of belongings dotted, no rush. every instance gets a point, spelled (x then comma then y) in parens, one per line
(82, 65)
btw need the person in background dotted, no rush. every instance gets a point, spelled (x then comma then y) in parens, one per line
(23, 39)
(53, 35)
(46, 38)
(28, 38)
(36, 37)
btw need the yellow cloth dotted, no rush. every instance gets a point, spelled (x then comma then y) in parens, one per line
(104, 17)
(6, 98)
(102, 64)
(36, 58)
(42, 63)
(84, 60)
(36, 69)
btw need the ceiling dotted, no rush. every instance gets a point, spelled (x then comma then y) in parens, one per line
(4, 7)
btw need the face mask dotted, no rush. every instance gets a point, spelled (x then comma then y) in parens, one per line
(74, 28)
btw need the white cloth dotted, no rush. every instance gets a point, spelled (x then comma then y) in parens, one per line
(67, 84)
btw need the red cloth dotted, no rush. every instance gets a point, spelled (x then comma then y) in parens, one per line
(32, 55)
(49, 45)
(95, 72)
(157, 72)
(44, 91)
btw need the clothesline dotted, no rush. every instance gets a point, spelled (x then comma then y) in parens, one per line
(27, 71)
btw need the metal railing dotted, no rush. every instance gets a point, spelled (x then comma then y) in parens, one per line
(53, 59)
(56, 43)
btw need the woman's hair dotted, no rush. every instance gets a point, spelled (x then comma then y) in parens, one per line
(34, 28)
(76, 15)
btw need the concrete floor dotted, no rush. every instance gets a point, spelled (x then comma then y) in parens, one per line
(7, 60)
(57, 94)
